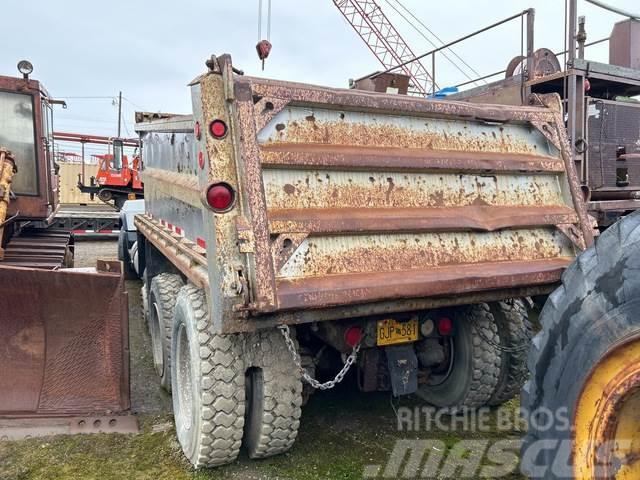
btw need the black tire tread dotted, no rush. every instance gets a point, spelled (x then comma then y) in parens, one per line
(486, 356)
(222, 399)
(282, 387)
(515, 332)
(165, 288)
(564, 323)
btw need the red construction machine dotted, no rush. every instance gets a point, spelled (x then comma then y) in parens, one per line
(63, 331)
(117, 179)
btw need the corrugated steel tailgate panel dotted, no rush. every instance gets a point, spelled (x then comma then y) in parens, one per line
(358, 197)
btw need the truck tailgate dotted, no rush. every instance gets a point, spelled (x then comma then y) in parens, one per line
(354, 197)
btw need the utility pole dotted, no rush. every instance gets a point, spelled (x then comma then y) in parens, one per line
(572, 80)
(119, 112)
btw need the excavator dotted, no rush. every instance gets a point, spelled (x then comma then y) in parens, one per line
(63, 330)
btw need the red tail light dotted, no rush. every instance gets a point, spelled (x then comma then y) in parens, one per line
(352, 336)
(220, 197)
(218, 129)
(445, 326)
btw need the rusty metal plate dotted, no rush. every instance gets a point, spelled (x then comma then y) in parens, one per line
(357, 197)
(64, 343)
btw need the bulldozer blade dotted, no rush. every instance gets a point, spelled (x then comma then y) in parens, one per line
(64, 345)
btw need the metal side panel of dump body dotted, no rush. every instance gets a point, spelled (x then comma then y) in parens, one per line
(354, 203)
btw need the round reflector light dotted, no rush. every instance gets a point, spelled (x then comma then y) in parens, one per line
(218, 129)
(445, 326)
(427, 328)
(352, 336)
(220, 197)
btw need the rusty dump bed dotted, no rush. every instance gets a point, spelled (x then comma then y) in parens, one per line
(359, 200)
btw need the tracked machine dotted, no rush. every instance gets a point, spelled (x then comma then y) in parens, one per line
(63, 331)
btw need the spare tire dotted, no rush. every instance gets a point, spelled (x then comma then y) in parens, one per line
(583, 398)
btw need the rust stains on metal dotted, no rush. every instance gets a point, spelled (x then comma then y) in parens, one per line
(82, 367)
(385, 253)
(317, 292)
(182, 253)
(301, 155)
(385, 134)
(284, 246)
(39, 248)
(484, 218)
(361, 100)
(339, 189)
(351, 197)
(264, 283)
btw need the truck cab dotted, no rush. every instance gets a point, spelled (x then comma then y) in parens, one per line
(26, 117)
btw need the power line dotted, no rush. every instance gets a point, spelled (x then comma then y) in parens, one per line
(88, 97)
(410, 13)
(135, 105)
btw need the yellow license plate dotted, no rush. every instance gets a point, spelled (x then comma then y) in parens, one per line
(391, 331)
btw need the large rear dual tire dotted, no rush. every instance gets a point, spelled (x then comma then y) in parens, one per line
(583, 398)
(163, 294)
(488, 357)
(230, 389)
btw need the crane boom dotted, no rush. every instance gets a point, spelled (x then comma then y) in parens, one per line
(369, 21)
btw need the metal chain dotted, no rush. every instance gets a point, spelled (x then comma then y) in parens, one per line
(351, 359)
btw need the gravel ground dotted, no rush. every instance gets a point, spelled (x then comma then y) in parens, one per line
(342, 431)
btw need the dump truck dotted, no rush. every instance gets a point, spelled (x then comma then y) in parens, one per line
(63, 331)
(296, 234)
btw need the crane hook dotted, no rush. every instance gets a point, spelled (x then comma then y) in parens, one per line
(264, 45)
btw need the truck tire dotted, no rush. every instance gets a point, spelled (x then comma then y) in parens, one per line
(515, 333)
(208, 381)
(475, 363)
(274, 395)
(585, 364)
(124, 257)
(162, 301)
(144, 305)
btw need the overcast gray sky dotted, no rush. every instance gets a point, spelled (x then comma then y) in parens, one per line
(151, 49)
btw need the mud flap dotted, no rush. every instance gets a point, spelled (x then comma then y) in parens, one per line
(403, 369)
(64, 345)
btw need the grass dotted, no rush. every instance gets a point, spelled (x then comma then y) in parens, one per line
(341, 433)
